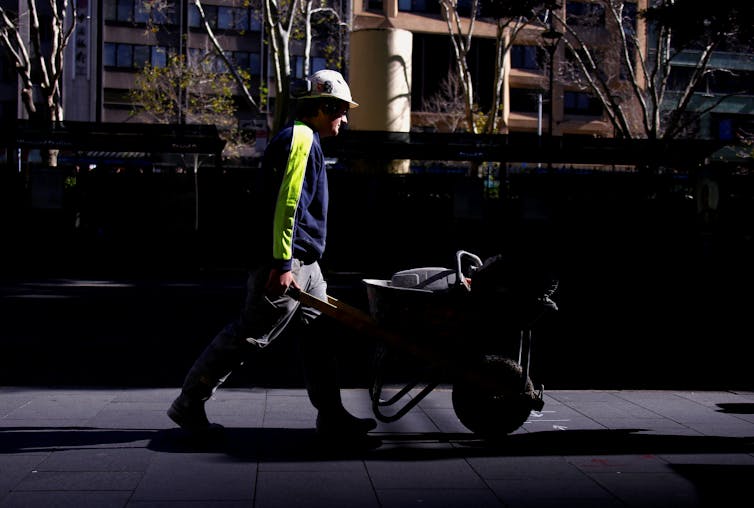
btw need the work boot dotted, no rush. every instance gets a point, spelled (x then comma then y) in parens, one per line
(189, 414)
(343, 425)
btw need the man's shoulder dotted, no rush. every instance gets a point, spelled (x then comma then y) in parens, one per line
(283, 134)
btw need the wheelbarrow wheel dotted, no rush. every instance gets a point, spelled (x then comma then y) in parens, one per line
(496, 401)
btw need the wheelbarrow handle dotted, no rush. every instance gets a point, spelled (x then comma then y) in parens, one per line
(342, 312)
(358, 320)
(331, 307)
(476, 262)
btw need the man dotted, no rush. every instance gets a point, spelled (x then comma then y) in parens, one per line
(295, 164)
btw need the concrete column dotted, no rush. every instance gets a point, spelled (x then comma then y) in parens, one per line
(380, 80)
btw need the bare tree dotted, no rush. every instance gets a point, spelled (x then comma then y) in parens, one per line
(39, 62)
(285, 21)
(446, 107)
(631, 74)
(510, 18)
(240, 79)
(323, 23)
(461, 38)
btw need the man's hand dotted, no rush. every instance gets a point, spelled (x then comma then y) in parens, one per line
(278, 282)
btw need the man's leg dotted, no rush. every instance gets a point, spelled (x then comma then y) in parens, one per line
(218, 360)
(319, 358)
(261, 321)
(323, 386)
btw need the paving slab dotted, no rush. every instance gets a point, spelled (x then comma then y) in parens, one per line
(104, 447)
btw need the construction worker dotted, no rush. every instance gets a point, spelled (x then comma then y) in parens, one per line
(294, 162)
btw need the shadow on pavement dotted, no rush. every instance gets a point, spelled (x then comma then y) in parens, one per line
(282, 445)
(739, 408)
(718, 484)
(50, 439)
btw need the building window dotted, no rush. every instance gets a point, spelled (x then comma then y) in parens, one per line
(237, 19)
(138, 11)
(725, 129)
(730, 127)
(524, 100)
(228, 19)
(598, 54)
(630, 16)
(195, 20)
(580, 103)
(116, 98)
(247, 61)
(423, 6)
(590, 14)
(720, 82)
(527, 57)
(231, 18)
(730, 82)
(134, 56)
(373, 5)
(317, 64)
(432, 61)
(679, 77)
(241, 59)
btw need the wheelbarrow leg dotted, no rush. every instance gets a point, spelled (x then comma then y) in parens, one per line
(378, 403)
(524, 352)
(376, 391)
(524, 360)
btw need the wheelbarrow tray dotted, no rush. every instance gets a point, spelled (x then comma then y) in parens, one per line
(426, 317)
(492, 396)
(444, 331)
(367, 324)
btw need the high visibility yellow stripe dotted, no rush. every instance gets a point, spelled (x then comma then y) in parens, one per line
(290, 191)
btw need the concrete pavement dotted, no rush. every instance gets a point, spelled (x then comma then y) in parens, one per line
(115, 447)
(88, 367)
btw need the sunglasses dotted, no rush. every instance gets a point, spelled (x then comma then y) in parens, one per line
(336, 110)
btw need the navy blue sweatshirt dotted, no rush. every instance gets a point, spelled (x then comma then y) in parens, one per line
(295, 162)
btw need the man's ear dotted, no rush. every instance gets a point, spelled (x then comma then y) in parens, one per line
(300, 88)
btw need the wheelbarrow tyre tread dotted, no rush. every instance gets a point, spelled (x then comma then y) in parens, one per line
(497, 405)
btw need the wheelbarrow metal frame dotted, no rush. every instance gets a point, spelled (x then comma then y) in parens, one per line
(362, 322)
(367, 324)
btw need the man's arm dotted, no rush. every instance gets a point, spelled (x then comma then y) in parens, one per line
(289, 195)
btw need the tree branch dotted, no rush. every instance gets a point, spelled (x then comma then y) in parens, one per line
(221, 53)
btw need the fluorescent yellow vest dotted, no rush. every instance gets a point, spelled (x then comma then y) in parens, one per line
(290, 191)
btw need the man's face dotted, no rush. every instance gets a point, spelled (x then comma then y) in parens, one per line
(330, 116)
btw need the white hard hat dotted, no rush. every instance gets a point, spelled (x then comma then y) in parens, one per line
(329, 83)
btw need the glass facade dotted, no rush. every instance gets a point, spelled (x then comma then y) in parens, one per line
(133, 56)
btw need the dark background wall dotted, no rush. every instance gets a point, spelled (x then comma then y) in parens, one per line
(652, 293)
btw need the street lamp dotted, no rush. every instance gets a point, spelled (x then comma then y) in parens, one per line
(551, 39)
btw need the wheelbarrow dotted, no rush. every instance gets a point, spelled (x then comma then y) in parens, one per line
(442, 322)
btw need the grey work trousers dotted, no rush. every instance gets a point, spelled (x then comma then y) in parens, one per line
(262, 320)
